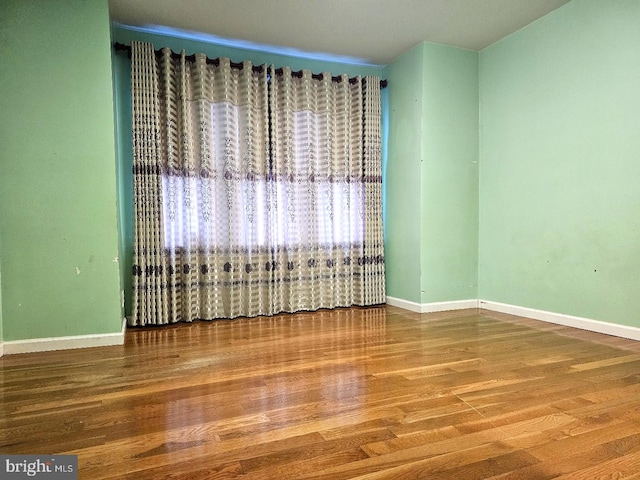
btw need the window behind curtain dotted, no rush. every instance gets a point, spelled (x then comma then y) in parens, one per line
(251, 197)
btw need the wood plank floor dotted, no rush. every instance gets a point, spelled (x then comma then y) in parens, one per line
(367, 393)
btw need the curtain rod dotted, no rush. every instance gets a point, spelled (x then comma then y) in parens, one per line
(256, 68)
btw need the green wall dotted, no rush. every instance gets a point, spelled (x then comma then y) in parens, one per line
(449, 174)
(122, 104)
(57, 177)
(555, 197)
(402, 174)
(560, 165)
(431, 219)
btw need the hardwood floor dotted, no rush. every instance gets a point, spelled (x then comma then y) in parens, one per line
(367, 393)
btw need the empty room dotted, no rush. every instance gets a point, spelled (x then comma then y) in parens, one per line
(319, 239)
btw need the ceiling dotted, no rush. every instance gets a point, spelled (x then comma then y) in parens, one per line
(361, 31)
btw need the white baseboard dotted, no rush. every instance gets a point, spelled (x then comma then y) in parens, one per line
(406, 304)
(64, 343)
(582, 323)
(432, 307)
(617, 330)
(1, 349)
(445, 306)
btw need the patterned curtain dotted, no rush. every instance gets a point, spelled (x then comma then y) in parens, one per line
(253, 194)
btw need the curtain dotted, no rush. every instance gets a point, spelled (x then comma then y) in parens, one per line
(255, 191)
